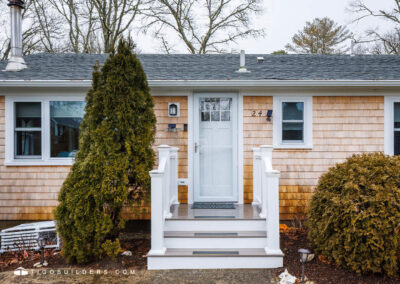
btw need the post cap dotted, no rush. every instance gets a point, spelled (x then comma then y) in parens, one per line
(19, 3)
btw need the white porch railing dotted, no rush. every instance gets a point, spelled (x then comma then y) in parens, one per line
(266, 194)
(164, 193)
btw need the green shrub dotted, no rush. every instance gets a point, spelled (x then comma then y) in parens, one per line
(354, 214)
(113, 161)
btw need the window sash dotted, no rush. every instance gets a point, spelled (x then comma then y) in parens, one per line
(26, 129)
(292, 121)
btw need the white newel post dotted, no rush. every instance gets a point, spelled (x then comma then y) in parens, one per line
(157, 214)
(256, 176)
(266, 166)
(270, 200)
(174, 176)
(273, 246)
(164, 152)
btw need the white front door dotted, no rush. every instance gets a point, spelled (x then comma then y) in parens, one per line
(215, 148)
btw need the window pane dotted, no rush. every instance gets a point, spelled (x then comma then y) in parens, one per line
(292, 131)
(225, 104)
(292, 111)
(28, 115)
(397, 142)
(205, 116)
(396, 115)
(225, 116)
(28, 143)
(65, 119)
(215, 116)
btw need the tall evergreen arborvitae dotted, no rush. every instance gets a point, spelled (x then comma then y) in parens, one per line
(113, 161)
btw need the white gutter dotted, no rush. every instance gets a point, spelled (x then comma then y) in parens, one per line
(213, 83)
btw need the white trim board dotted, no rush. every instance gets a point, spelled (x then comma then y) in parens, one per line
(389, 123)
(214, 83)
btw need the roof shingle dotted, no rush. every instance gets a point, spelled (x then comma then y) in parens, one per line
(217, 67)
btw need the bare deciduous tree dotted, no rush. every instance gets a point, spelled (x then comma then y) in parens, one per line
(115, 18)
(202, 25)
(321, 36)
(41, 31)
(89, 26)
(382, 42)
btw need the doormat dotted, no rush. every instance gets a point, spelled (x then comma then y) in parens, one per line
(213, 205)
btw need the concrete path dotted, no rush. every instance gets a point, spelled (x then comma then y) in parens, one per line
(59, 276)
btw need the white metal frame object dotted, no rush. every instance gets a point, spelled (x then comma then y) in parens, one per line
(25, 236)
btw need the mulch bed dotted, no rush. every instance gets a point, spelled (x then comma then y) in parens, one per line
(319, 270)
(138, 244)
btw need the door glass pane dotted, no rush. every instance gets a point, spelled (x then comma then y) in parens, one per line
(292, 131)
(215, 116)
(292, 111)
(225, 115)
(205, 116)
(225, 104)
(28, 115)
(65, 119)
(28, 143)
(397, 142)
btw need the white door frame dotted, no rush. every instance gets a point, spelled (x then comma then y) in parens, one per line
(237, 145)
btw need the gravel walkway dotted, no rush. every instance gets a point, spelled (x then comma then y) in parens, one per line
(252, 276)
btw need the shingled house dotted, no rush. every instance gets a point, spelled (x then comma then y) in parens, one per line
(215, 115)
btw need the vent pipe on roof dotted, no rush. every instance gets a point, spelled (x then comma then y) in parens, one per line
(16, 62)
(353, 44)
(242, 68)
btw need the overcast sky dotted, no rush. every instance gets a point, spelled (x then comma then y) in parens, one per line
(283, 18)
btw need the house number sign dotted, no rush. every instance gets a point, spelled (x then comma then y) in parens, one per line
(254, 113)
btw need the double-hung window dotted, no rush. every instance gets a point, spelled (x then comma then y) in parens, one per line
(392, 125)
(396, 128)
(42, 130)
(292, 122)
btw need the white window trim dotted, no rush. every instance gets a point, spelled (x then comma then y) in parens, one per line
(308, 123)
(389, 123)
(45, 160)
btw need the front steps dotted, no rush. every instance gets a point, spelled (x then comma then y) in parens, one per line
(218, 239)
(186, 259)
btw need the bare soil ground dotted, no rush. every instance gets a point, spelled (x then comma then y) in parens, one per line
(133, 269)
(319, 270)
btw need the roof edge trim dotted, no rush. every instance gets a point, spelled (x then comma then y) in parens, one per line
(213, 83)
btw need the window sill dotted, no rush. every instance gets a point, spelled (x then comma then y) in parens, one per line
(293, 146)
(27, 162)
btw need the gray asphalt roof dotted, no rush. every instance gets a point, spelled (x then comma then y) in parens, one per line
(217, 67)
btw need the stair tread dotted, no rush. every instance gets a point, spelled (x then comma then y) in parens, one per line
(243, 252)
(215, 234)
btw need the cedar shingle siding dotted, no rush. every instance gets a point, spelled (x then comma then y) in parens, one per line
(342, 126)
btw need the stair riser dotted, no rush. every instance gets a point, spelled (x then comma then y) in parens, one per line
(231, 243)
(215, 225)
(217, 262)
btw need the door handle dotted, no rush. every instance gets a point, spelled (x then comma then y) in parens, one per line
(195, 147)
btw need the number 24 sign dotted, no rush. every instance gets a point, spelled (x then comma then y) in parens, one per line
(254, 113)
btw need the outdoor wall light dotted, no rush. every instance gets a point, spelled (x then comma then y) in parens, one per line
(173, 109)
(269, 114)
(304, 253)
